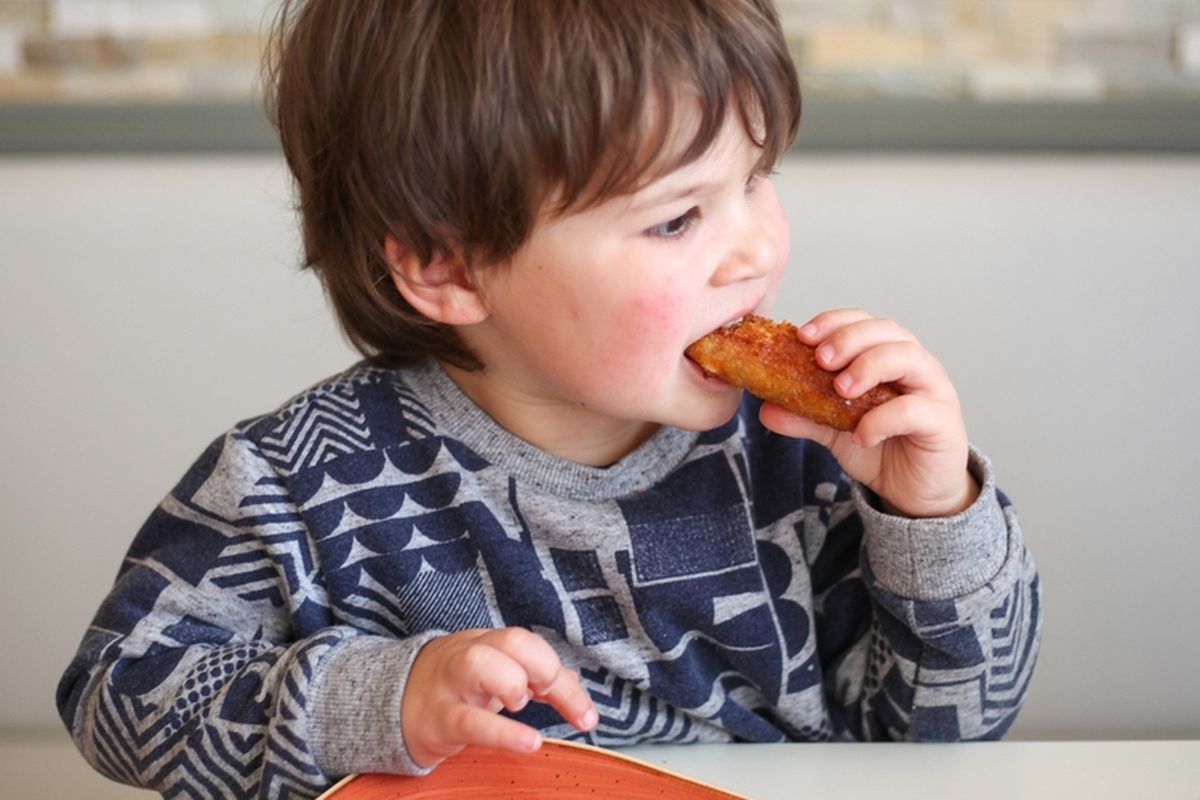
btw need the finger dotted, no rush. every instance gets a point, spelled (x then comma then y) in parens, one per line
(844, 344)
(506, 686)
(488, 678)
(819, 327)
(907, 415)
(906, 364)
(531, 652)
(471, 725)
(545, 677)
(778, 419)
(548, 679)
(568, 697)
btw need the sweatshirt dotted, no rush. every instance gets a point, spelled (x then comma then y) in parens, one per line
(731, 585)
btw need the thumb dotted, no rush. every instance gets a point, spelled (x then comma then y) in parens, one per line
(780, 420)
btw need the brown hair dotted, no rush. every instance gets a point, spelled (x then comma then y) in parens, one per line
(450, 125)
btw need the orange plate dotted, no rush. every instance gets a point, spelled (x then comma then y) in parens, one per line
(559, 769)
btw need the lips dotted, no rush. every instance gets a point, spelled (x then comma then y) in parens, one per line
(732, 322)
(709, 378)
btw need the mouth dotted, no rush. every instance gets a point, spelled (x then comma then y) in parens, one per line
(707, 376)
(729, 324)
(733, 323)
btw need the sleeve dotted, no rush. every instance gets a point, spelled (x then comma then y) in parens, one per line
(946, 644)
(196, 677)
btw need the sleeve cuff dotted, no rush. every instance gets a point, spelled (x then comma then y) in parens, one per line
(940, 558)
(355, 725)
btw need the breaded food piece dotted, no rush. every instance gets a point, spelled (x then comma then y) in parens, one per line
(768, 360)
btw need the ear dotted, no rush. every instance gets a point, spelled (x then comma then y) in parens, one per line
(442, 290)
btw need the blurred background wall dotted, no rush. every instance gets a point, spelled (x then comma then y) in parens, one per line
(1017, 181)
(1077, 50)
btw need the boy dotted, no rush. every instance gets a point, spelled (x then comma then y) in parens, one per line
(527, 513)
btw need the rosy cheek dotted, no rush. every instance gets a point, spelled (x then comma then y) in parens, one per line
(646, 327)
(658, 316)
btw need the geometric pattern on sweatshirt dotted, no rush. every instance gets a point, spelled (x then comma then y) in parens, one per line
(718, 606)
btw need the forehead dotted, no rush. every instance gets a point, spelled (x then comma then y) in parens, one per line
(733, 154)
(730, 160)
(676, 130)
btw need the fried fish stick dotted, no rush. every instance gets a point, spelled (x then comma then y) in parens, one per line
(768, 360)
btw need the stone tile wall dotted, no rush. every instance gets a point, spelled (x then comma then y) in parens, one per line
(997, 49)
(98, 51)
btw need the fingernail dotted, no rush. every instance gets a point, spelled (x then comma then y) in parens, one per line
(535, 743)
(844, 381)
(808, 331)
(825, 353)
(589, 719)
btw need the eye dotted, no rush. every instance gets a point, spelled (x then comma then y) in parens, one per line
(673, 229)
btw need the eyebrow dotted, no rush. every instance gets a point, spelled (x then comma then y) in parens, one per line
(702, 187)
(653, 201)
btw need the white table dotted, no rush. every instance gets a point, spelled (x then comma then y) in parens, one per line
(48, 768)
(1163, 770)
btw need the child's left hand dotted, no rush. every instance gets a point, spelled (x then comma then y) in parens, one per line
(912, 450)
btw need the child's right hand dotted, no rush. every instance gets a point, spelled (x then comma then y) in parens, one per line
(460, 681)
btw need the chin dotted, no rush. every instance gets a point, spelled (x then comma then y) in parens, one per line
(713, 416)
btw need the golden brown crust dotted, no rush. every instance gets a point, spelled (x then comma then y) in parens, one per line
(768, 360)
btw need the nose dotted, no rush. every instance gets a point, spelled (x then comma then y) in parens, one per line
(754, 250)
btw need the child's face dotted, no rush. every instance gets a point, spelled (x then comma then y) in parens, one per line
(589, 321)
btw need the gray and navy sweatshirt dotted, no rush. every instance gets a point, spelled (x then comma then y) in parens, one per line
(731, 585)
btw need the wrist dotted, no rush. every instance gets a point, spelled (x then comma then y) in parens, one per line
(940, 557)
(356, 698)
(958, 501)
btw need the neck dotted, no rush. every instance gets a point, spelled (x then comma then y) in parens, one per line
(568, 431)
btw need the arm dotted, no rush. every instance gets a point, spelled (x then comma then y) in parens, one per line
(955, 616)
(214, 667)
(947, 605)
